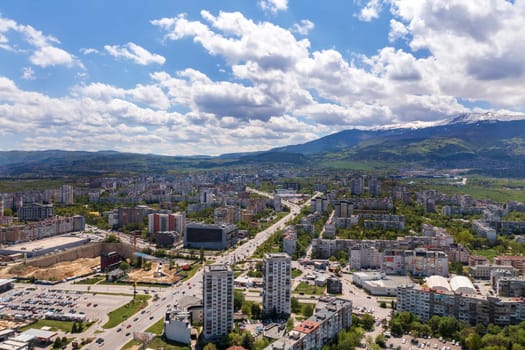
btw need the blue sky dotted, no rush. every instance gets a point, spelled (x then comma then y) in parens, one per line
(212, 77)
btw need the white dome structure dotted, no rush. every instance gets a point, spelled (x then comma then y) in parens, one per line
(438, 283)
(462, 285)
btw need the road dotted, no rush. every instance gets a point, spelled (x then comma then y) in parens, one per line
(114, 339)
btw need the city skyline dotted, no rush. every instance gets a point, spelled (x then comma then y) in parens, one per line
(210, 78)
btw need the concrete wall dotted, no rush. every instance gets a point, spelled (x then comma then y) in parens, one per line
(90, 250)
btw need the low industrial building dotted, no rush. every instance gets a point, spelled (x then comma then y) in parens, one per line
(12, 344)
(6, 284)
(377, 283)
(43, 246)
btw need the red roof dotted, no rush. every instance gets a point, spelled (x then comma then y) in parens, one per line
(306, 327)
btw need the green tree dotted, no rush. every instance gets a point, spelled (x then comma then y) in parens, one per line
(367, 321)
(124, 265)
(473, 341)
(238, 299)
(247, 340)
(289, 324)
(256, 311)
(295, 305)
(308, 310)
(58, 343)
(380, 340)
(210, 346)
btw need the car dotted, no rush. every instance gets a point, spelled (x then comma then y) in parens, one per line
(128, 326)
(127, 334)
(404, 340)
(99, 340)
(118, 330)
(135, 319)
(151, 317)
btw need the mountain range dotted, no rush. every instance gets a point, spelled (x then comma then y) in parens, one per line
(487, 143)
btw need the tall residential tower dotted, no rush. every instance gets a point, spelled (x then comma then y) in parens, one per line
(217, 299)
(277, 284)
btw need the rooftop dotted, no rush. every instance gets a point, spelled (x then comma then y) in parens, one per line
(217, 267)
(306, 326)
(45, 243)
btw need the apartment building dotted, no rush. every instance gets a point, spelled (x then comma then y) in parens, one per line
(364, 256)
(217, 290)
(418, 262)
(456, 299)
(159, 222)
(66, 194)
(277, 284)
(289, 240)
(35, 212)
(331, 317)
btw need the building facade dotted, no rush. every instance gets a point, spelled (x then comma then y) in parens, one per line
(210, 236)
(471, 308)
(217, 298)
(277, 284)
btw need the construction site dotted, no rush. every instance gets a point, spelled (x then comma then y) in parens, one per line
(86, 259)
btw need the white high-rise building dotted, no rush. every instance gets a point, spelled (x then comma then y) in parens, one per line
(217, 300)
(66, 194)
(277, 284)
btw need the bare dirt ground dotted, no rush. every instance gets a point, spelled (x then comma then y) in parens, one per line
(140, 275)
(55, 272)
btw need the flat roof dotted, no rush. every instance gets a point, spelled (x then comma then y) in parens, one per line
(390, 281)
(12, 344)
(306, 326)
(38, 333)
(217, 267)
(44, 243)
(4, 281)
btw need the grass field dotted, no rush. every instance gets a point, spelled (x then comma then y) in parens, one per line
(55, 325)
(157, 327)
(90, 280)
(499, 190)
(121, 314)
(488, 253)
(306, 288)
(296, 273)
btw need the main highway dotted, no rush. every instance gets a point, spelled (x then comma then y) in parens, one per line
(118, 336)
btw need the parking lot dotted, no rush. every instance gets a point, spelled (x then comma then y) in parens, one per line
(409, 343)
(36, 301)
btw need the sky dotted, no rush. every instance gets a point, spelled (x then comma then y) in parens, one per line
(208, 77)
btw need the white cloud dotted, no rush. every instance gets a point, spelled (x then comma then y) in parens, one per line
(303, 27)
(371, 10)
(135, 53)
(273, 6)
(51, 56)
(397, 30)
(45, 52)
(475, 47)
(28, 73)
(281, 91)
(89, 51)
